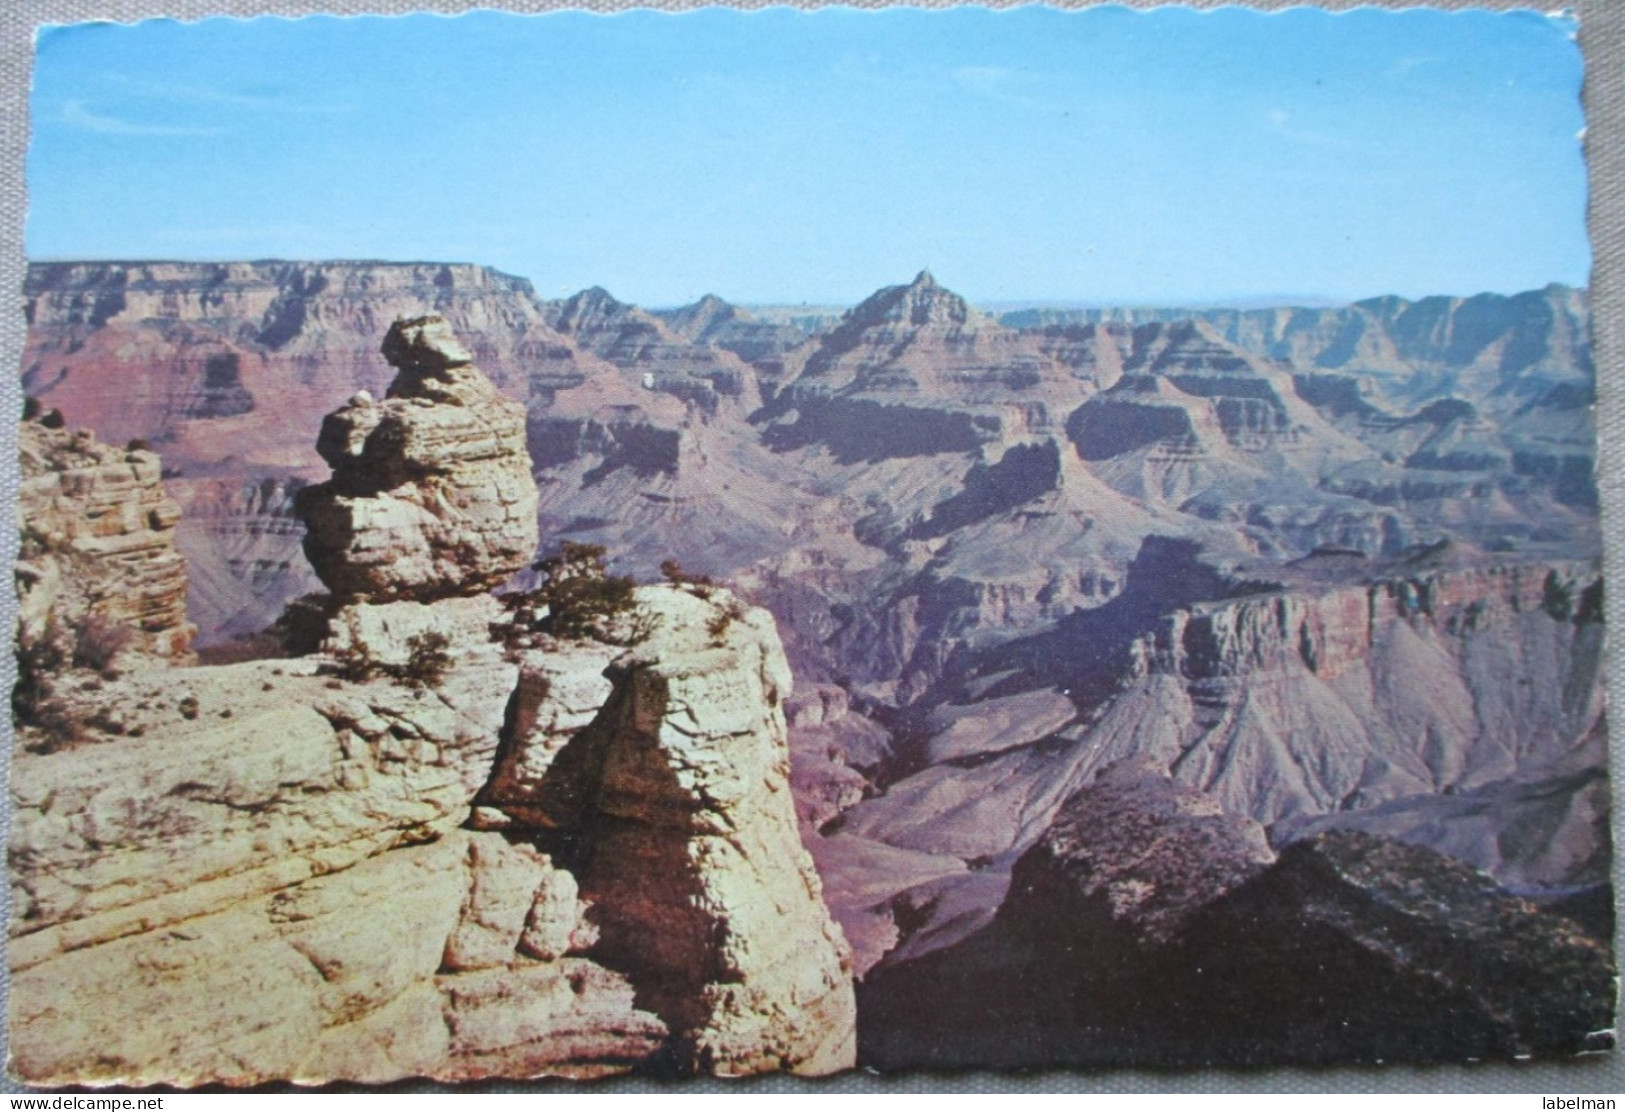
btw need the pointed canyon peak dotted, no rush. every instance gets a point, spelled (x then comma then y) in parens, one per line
(920, 303)
(703, 318)
(594, 309)
(923, 341)
(431, 493)
(713, 306)
(592, 300)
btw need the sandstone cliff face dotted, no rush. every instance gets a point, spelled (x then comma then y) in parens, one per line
(431, 491)
(274, 854)
(295, 889)
(674, 803)
(1442, 680)
(98, 544)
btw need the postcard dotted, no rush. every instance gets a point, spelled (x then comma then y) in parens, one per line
(715, 543)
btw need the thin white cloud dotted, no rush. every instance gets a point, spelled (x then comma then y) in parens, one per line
(987, 80)
(1280, 122)
(1402, 67)
(202, 94)
(997, 83)
(75, 114)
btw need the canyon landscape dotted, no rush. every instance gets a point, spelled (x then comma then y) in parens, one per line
(444, 680)
(807, 543)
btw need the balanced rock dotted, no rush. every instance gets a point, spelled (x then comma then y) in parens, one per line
(98, 557)
(431, 493)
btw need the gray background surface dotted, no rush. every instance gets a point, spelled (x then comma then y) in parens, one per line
(1602, 40)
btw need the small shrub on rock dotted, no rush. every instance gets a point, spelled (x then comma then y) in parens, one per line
(427, 659)
(582, 599)
(34, 702)
(98, 644)
(40, 660)
(718, 625)
(677, 577)
(57, 727)
(355, 662)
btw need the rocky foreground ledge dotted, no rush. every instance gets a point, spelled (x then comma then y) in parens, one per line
(524, 857)
(286, 884)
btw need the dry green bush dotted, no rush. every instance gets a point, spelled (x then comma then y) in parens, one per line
(583, 600)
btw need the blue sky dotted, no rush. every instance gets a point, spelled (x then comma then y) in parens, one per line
(779, 156)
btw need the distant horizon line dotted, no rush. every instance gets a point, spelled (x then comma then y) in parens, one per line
(1237, 302)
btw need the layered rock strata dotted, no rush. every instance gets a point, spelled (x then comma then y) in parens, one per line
(1330, 689)
(638, 341)
(1444, 698)
(259, 865)
(1532, 339)
(673, 809)
(431, 492)
(238, 533)
(1308, 701)
(272, 867)
(98, 544)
